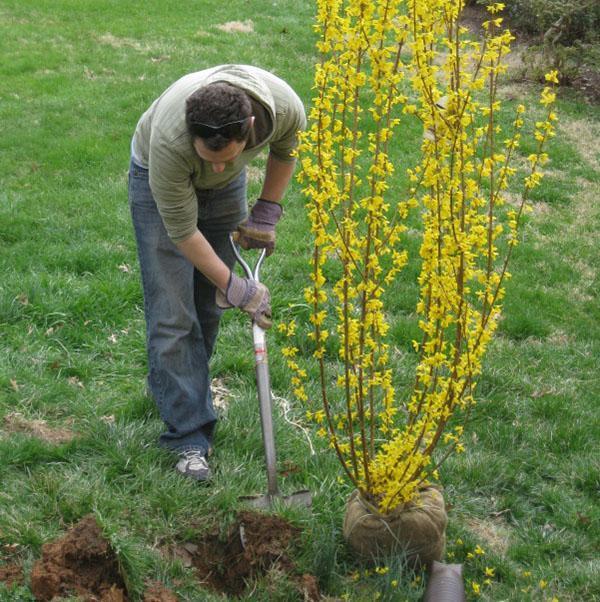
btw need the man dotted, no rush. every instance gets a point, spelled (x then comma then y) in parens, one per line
(187, 193)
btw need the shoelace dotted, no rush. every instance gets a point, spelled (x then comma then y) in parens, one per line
(193, 455)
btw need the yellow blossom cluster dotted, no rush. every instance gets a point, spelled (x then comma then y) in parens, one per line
(384, 62)
(290, 352)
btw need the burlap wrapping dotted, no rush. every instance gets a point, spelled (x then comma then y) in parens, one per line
(416, 530)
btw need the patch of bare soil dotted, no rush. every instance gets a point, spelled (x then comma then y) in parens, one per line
(253, 546)
(80, 563)
(15, 422)
(11, 574)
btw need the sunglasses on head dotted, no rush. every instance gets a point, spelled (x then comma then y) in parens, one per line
(227, 130)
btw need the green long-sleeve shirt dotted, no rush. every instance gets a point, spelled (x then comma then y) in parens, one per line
(162, 144)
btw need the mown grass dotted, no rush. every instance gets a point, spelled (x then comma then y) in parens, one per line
(74, 78)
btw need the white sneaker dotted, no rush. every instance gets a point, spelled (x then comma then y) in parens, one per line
(193, 464)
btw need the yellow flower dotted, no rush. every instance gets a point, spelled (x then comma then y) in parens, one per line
(547, 97)
(495, 7)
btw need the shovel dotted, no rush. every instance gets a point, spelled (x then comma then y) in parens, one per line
(263, 384)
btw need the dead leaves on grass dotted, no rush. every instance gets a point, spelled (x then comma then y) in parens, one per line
(220, 395)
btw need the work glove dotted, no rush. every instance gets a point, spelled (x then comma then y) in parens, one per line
(258, 231)
(248, 295)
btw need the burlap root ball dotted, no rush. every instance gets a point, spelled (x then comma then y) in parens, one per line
(416, 530)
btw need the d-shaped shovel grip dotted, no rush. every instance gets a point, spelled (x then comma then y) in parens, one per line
(253, 274)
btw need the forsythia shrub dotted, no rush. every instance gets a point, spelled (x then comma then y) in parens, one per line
(385, 62)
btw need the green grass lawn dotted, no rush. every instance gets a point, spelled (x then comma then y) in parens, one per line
(75, 76)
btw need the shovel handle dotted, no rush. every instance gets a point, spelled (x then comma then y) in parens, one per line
(263, 382)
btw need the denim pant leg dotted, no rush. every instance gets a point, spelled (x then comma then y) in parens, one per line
(219, 213)
(205, 291)
(179, 308)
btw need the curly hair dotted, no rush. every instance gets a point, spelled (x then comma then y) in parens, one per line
(217, 104)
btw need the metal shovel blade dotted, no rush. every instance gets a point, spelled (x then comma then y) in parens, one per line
(302, 498)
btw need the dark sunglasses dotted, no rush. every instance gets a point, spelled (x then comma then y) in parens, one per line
(227, 130)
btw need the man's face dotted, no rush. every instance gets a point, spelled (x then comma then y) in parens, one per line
(219, 159)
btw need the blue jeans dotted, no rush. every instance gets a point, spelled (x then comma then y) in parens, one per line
(182, 318)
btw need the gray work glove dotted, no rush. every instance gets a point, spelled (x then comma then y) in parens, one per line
(258, 231)
(248, 295)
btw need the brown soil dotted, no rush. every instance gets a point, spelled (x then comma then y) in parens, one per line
(83, 564)
(80, 563)
(226, 564)
(11, 574)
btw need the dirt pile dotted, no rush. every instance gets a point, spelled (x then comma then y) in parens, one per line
(83, 564)
(80, 563)
(254, 545)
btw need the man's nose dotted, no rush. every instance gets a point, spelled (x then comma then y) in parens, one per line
(218, 167)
